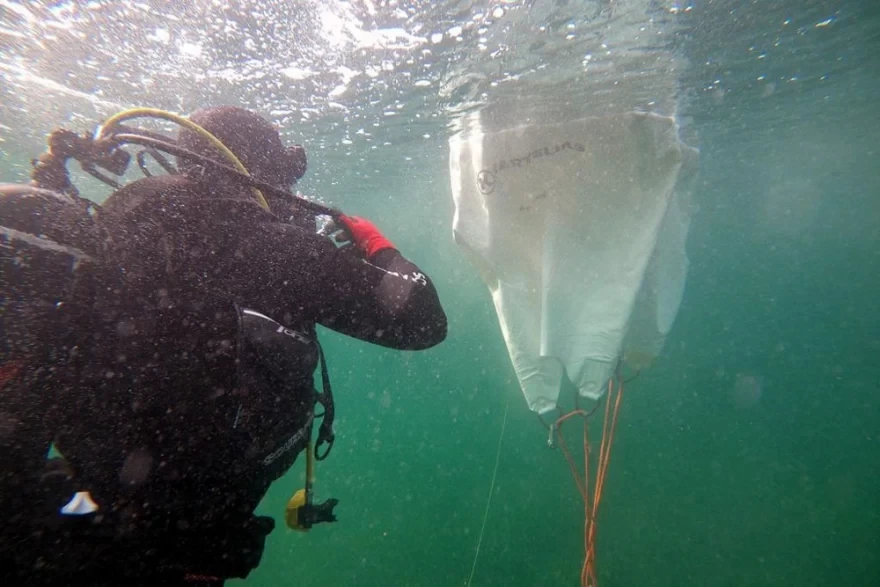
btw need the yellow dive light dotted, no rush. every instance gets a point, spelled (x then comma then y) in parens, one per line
(301, 514)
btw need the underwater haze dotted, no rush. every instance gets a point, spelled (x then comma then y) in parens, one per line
(747, 454)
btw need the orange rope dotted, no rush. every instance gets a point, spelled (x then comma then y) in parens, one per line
(591, 506)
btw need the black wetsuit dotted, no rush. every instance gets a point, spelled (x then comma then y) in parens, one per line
(168, 411)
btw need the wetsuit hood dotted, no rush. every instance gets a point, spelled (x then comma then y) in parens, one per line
(252, 138)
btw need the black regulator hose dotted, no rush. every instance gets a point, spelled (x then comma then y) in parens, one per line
(178, 151)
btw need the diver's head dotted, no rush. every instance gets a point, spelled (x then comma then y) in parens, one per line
(253, 139)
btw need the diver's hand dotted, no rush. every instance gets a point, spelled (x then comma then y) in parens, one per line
(365, 235)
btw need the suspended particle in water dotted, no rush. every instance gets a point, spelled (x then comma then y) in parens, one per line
(136, 467)
(747, 390)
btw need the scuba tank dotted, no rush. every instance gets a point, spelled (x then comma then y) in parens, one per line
(47, 235)
(46, 239)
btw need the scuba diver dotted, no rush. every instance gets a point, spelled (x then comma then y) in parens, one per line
(159, 350)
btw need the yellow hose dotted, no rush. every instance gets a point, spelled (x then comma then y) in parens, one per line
(105, 129)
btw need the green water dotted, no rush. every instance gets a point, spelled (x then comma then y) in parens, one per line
(702, 490)
(748, 454)
(705, 488)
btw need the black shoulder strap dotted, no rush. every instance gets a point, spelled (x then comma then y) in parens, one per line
(257, 331)
(325, 398)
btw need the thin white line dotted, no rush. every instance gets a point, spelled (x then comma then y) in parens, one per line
(255, 313)
(491, 491)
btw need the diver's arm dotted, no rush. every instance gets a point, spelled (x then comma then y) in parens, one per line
(388, 300)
